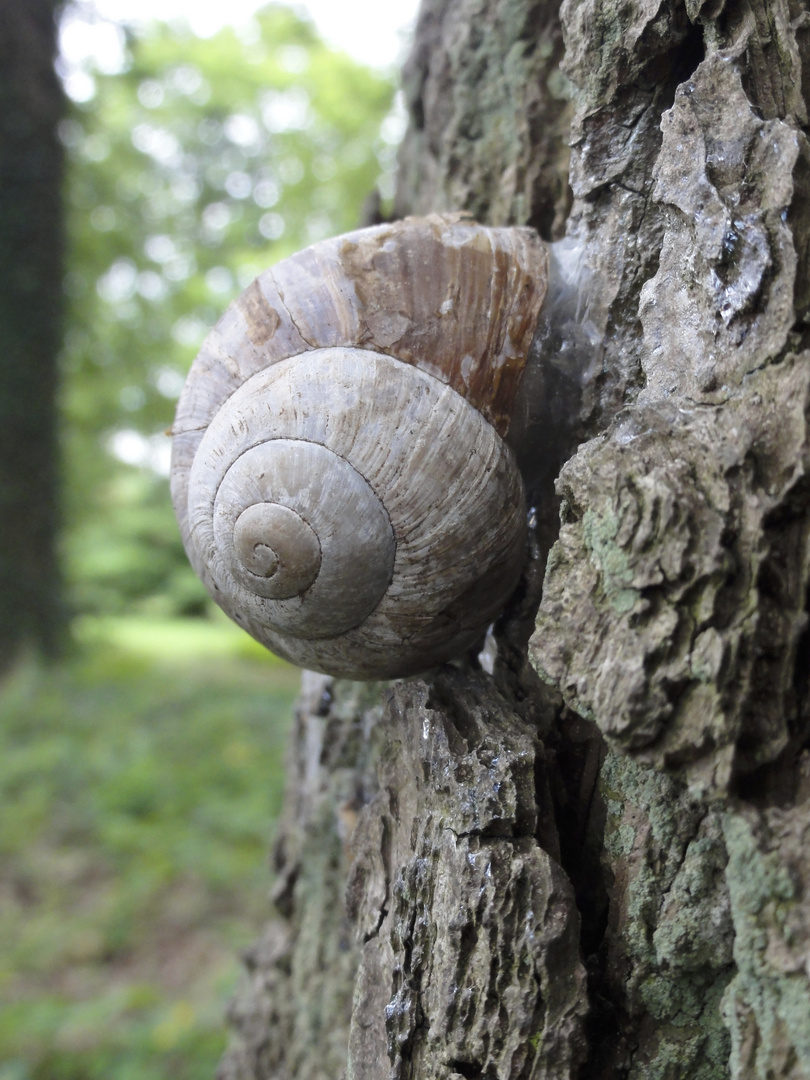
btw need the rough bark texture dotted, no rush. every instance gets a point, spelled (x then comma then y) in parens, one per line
(470, 960)
(602, 872)
(31, 105)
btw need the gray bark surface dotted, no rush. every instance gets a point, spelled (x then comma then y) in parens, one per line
(596, 864)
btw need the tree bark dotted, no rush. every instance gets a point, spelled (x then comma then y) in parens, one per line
(31, 245)
(596, 864)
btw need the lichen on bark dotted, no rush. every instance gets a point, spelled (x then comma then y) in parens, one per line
(658, 616)
(767, 1004)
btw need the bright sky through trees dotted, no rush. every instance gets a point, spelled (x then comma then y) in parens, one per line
(373, 33)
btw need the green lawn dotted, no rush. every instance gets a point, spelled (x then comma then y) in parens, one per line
(138, 784)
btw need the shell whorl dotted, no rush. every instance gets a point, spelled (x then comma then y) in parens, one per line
(339, 472)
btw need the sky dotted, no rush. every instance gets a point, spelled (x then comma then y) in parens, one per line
(372, 32)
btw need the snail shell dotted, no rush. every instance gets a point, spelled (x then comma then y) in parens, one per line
(340, 471)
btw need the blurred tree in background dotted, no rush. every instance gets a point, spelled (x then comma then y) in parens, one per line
(196, 166)
(31, 159)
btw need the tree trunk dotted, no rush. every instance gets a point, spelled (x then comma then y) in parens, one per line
(31, 239)
(596, 864)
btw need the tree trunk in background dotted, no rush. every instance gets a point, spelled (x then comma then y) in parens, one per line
(31, 239)
(596, 865)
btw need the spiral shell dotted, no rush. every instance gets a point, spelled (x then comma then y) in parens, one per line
(340, 470)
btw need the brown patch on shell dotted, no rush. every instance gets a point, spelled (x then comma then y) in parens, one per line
(261, 321)
(456, 299)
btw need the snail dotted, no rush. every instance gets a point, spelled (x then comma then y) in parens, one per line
(344, 466)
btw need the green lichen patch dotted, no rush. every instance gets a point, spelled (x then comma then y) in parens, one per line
(670, 937)
(767, 1006)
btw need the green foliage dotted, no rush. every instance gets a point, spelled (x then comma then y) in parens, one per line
(201, 164)
(132, 852)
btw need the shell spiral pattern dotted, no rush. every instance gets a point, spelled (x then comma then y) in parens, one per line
(340, 472)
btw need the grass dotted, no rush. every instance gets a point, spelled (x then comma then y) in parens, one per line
(138, 783)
